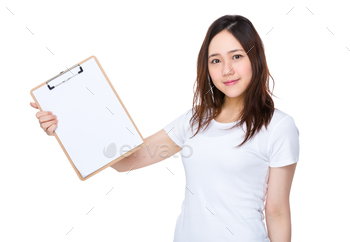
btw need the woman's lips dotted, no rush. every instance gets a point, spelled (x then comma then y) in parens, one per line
(232, 82)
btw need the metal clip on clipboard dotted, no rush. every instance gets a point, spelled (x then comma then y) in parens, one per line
(61, 73)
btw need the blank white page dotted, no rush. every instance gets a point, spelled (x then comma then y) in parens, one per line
(91, 118)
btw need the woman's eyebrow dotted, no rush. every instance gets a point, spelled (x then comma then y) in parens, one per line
(231, 51)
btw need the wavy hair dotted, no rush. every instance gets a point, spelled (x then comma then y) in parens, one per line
(258, 106)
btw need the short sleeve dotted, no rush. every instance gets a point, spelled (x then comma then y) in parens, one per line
(176, 129)
(283, 145)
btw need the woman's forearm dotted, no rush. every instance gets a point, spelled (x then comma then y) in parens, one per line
(279, 227)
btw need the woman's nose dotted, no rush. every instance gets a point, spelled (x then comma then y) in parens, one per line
(228, 68)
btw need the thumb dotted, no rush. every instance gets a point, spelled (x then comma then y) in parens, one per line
(33, 105)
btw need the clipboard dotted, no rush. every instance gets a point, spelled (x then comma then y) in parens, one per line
(95, 129)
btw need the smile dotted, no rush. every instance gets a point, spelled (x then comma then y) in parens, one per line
(229, 83)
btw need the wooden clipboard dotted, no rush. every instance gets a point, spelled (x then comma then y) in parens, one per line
(79, 93)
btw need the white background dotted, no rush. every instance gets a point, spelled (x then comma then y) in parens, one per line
(149, 50)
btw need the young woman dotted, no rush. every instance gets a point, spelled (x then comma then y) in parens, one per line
(244, 150)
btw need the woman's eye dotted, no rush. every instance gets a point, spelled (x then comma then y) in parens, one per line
(238, 55)
(213, 61)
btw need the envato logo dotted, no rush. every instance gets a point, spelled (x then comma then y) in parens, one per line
(110, 151)
(163, 151)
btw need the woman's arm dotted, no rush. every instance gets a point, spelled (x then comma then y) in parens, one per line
(157, 147)
(277, 208)
(279, 227)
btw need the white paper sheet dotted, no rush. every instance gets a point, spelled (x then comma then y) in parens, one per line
(93, 126)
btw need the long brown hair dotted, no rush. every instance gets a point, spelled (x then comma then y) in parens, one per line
(258, 106)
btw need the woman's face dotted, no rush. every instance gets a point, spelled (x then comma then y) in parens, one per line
(221, 59)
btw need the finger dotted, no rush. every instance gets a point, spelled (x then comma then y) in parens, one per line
(47, 118)
(34, 105)
(51, 129)
(45, 126)
(43, 114)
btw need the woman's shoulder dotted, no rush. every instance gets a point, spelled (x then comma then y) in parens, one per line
(280, 117)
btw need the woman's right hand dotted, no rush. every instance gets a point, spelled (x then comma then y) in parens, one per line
(48, 122)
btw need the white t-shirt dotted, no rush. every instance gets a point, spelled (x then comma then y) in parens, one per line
(226, 186)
